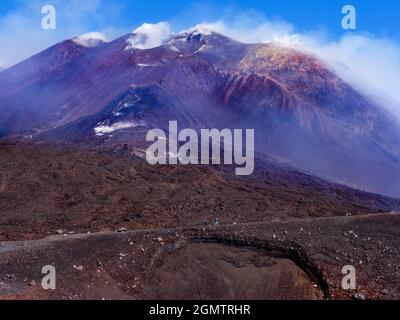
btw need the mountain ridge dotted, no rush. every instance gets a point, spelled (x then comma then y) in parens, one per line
(300, 109)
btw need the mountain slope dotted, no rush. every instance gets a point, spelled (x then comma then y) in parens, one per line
(301, 110)
(44, 189)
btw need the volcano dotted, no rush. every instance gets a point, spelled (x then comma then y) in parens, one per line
(76, 191)
(105, 93)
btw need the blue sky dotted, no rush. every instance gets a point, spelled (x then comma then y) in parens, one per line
(378, 17)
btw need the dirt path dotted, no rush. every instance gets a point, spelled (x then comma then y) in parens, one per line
(7, 246)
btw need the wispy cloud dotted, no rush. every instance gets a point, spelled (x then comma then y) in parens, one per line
(368, 62)
(91, 39)
(371, 64)
(150, 35)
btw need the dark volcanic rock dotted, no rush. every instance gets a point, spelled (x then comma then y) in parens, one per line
(304, 264)
(44, 189)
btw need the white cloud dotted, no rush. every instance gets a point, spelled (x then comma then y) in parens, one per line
(90, 39)
(149, 36)
(267, 31)
(207, 28)
(369, 63)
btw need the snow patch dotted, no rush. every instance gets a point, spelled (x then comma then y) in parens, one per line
(174, 48)
(129, 104)
(91, 39)
(144, 65)
(103, 128)
(204, 47)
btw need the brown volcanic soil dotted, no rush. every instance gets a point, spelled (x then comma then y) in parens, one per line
(44, 189)
(282, 234)
(143, 264)
(215, 271)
